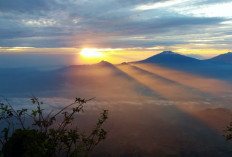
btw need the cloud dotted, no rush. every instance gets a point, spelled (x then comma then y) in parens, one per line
(208, 10)
(40, 22)
(160, 4)
(112, 23)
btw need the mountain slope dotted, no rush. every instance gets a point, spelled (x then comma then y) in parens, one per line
(226, 58)
(169, 57)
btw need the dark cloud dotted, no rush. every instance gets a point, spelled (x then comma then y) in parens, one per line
(24, 6)
(100, 23)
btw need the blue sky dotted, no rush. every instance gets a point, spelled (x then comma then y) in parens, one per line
(199, 27)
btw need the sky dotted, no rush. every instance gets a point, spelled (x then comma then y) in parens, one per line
(121, 30)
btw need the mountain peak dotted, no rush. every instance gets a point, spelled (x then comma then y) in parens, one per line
(104, 63)
(169, 57)
(168, 53)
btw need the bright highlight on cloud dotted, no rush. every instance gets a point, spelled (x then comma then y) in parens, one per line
(40, 22)
(211, 10)
(160, 4)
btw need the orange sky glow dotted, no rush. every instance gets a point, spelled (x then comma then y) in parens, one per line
(116, 55)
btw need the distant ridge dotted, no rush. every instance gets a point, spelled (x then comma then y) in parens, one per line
(104, 63)
(226, 58)
(100, 64)
(169, 57)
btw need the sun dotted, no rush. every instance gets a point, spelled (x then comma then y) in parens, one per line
(91, 53)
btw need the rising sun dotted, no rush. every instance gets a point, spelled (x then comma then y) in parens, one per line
(91, 53)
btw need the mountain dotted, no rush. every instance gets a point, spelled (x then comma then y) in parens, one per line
(224, 58)
(96, 80)
(104, 63)
(206, 68)
(169, 57)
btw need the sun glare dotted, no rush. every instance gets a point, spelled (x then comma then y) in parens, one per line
(91, 53)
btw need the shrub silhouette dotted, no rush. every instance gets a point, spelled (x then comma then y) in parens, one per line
(228, 132)
(47, 136)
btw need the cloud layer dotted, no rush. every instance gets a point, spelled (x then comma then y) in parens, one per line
(115, 23)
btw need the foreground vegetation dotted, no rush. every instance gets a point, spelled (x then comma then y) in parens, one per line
(47, 136)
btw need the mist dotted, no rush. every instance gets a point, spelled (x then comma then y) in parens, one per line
(153, 109)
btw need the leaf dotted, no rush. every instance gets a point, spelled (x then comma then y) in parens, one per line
(33, 100)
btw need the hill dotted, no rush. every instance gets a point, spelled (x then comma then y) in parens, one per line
(169, 57)
(223, 58)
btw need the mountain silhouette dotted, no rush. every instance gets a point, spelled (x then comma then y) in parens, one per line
(104, 64)
(223, 58)
(212, 68)
(87, 66)
(169, 57)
